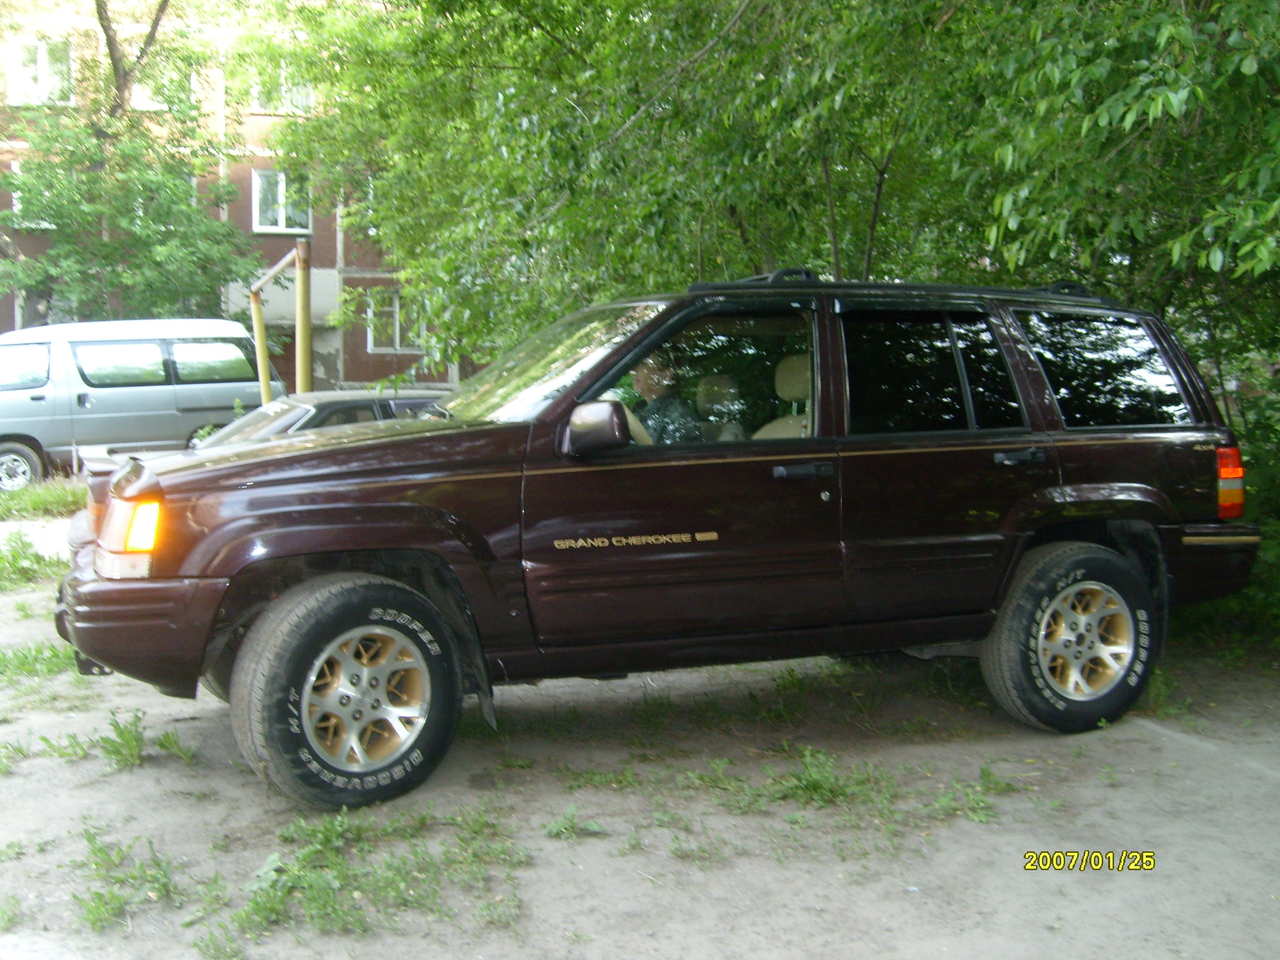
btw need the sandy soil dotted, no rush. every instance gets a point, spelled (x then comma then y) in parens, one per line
(924, 858)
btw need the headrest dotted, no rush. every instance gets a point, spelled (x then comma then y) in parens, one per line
(716, 391)
(791, 379)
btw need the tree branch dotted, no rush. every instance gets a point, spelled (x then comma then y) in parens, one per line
(680, 68)
(122, 72)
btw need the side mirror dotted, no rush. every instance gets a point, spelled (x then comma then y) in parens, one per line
(595, 427)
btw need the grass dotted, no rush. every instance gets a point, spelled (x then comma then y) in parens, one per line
(124, 749)
(169, 743)
(623, 778)
(35, 662)
(56, 497)
(568, 826)
(10, 913)
(333, 880)
(21, 563)
(118, 881)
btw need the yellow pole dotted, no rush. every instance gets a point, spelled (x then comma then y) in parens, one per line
(302, 317)
(260, 345)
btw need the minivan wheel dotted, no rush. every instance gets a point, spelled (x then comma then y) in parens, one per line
(1075, 641)
(346, 690)
(20, 466)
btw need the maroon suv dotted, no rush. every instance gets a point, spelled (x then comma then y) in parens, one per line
(765, 469)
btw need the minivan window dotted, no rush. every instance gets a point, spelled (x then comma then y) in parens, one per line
(24, 365)
(1104, 371)
(133, 363)
(210, 361)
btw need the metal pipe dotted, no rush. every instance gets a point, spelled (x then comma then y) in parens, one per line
(260, 344)
(302, 318)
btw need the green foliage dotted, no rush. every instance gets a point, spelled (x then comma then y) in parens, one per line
(21, 563)
(568, 826)
(170, 743)
(110, 191)
(118, 881)
(55, 497)
(35, 661)
(124, 749)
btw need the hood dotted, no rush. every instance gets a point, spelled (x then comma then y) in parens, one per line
(353, 450)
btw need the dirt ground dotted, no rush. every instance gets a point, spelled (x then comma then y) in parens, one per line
(802, 809)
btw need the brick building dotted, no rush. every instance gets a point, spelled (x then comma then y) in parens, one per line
(41, 56)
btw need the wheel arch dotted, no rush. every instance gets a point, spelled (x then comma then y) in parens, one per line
(254, 586)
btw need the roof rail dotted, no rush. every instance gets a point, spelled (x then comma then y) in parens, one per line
(788, 275)
(1066, 288)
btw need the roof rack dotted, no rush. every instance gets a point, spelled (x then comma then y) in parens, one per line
(789, 275)
(1066, 288)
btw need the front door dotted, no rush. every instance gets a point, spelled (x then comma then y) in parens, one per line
(723, 515)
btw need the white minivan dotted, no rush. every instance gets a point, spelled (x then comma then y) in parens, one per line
(132, 384)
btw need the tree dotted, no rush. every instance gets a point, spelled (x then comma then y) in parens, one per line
(124, 200)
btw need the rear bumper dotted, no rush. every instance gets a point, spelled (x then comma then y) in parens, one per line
(1212, 560)
(153, 630)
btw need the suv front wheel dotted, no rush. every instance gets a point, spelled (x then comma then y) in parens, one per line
(346, 690)
(1076, 639)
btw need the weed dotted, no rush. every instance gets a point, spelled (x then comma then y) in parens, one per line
(124, 750)
(503, 910)
(169, 743)
(213, 897)
(993, 783)
(703, 852)
(567, 826)
(10, 913)
(24, 610)
(56, 497)
(36, 662)
(69, 748)
(1162, 697)
(735, 793)
(512, 761)
(622, 779)
(11, 752)
(958, 680)
(653, 713)
(816, 783)
(671, 820)
(633, 844)
(220, 945)
(119, 882)
(21, 563)
(13, 850)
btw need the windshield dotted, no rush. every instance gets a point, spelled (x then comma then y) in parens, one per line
(268, 420)
(519, 385)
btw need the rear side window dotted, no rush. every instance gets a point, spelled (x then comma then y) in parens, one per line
(1104, 371)
(131, 363)
(211, 361)
(917, 371)
(24, 365)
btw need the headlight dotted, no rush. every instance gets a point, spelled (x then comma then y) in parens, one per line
(129, 534)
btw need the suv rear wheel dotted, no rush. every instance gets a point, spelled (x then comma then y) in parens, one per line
(1075, 641)
(346, 690)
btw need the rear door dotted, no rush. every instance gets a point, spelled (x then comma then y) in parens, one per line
(722, 518)
(214, 379)
(940, 464)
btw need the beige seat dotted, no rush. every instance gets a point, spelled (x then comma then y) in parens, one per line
(719, 408)
(792, 382)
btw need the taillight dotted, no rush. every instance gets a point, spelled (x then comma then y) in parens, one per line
(1230, 483)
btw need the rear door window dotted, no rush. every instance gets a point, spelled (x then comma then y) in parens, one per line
(211, 361)
(914, 371)
(1105, 371)
(24, 366)
(131, 363)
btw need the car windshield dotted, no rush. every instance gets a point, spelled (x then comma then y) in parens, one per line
(519, 385)
(266, 421)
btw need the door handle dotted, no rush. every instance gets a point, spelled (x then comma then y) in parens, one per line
(36, 397)
(799, 471)
(1011, 458)
(82, 400)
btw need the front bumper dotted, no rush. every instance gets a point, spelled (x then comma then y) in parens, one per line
(152, 630)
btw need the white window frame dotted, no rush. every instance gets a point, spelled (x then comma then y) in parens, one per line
(21, 91)
(397, 346)
(282, 188)
(295, 99)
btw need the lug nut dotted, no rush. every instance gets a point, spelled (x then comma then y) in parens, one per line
(373, 681)
(355, 679)
(344, 700)
(357, 715)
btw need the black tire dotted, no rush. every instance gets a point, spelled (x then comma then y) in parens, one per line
(323, 675)
(20, 466)
(1076, 639)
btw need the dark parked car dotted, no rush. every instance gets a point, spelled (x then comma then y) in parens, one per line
(772, 468)
(290, 414)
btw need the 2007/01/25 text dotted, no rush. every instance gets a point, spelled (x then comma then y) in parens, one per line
(1117, 861)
